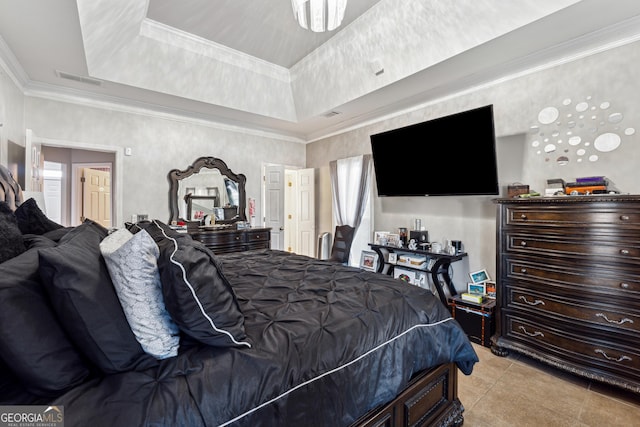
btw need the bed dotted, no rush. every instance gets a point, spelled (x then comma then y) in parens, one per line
(258, 338)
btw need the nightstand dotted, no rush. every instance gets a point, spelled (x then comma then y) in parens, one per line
(477, 320)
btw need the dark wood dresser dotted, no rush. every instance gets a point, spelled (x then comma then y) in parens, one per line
(233, 240)
(568, 288)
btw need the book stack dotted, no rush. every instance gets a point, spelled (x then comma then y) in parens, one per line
(590, 185)
(476, 298)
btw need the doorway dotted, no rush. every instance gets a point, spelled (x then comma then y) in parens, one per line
(68, 154)
(289, 208)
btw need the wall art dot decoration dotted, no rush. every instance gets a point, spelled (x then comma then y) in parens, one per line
(578, 130)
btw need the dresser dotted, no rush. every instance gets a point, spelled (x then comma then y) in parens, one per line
(568, 286)
(233, 240)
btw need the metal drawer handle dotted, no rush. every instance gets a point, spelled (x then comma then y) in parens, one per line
(531, 334)
(523, 243)
(624, 217)
(523, 270)
(523, 216)
(536, 302)
(617, 322)
(619, 359)
(624, 251)
(624, 285)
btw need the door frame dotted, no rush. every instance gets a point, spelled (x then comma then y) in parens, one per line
(117, 177)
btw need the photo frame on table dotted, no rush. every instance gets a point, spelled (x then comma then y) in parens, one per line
(393, 240)
(368, 260)
(479, 276)
(393, 257)
(477, 288)
(380, 238)
(491, 289)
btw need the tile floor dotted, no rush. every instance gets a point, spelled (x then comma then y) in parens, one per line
(517, 391)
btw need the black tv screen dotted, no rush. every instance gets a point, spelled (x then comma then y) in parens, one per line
(453, 155)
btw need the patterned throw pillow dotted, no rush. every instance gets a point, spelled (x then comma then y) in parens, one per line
(11, 241)
(132, 261)
(31, 220)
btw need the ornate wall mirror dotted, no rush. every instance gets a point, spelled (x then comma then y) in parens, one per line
(207, 187)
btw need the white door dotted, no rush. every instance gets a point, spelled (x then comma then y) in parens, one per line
(305, 212)
(52, 188)
(290, 215)
(274, 204)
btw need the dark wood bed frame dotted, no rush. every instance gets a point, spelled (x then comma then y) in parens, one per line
(430, 399)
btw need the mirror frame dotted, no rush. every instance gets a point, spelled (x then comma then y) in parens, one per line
(176, 175)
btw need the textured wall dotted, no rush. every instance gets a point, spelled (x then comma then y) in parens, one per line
(159, 145)
(11, 115)
(609, 76)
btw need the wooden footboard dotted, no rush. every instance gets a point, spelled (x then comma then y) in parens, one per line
(431, 399)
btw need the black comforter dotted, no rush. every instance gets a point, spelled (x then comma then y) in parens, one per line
(329, 343)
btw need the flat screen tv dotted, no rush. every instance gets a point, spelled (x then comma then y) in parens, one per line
(453, 155)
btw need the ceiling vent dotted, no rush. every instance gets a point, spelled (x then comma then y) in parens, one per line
(81, 79)
(331, 114)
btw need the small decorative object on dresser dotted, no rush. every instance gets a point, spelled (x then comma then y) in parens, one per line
(568, 288)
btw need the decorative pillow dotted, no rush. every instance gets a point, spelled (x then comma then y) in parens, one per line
(37, 241)
(132, 261)
(197, 295)
(31, 220)
(11, 242)
(77, 280)
(32, 341)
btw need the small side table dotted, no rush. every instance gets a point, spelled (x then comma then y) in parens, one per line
(477, 320)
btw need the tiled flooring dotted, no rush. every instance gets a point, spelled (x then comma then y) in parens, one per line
(517, 391)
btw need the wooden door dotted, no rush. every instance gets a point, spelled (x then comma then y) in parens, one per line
(96, 196)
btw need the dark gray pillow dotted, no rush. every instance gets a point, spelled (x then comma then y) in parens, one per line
(79, 286)
(32, 341)
(31, 220)
(197, 295)
(11, 241)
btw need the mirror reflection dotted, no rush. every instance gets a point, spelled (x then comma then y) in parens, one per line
(207, 189)
(208, 193)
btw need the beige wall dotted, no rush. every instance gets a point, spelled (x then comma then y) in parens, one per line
(609, 76)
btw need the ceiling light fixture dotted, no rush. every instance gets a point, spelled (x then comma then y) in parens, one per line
(321, 15)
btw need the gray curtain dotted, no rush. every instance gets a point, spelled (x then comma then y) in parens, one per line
(350, 188)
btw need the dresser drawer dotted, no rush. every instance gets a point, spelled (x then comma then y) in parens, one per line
(582, 349)
(607, 319)
(575, 279)
(577, 215)
(258, 236)
(595, 246)
(218, 239)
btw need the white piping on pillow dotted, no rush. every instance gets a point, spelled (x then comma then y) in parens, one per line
(195, 296)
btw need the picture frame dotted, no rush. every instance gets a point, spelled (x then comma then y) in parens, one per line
(490, 289)
(393, 240)
(379, 238)
(479, 276)
(393, 258)
(477, 288)
(368, 260)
